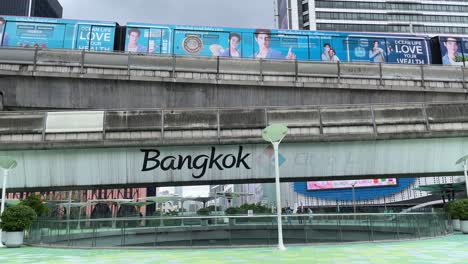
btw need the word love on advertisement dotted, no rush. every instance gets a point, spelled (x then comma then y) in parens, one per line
(200, 162)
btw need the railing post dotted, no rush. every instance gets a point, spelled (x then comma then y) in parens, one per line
(44, 124)
(217, 68)
(338, 65)
(82, 61)
(381, 74)
(426, 118)
(423, 85)
(296, 70)
(261, 69)
(173, 66)
(35, 58)
(320, 121)
(374, 125)
(463, 77)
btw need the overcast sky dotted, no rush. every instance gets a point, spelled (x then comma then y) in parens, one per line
(239, 13)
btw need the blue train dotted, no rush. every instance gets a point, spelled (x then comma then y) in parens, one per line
(233, 42)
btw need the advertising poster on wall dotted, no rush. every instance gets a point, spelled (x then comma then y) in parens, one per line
(271, 45)
(96, 38)
(327, 185)
(200, 43)
(453, 51)
(147, 40)
(32, 35)
(388, 50)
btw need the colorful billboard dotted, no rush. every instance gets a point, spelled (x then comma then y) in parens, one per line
(57, 33)
(454, 50)
(387, 50)
(327, 185)
(276, 44)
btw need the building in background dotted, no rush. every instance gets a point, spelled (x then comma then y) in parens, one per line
(38, 8)
(409, 16)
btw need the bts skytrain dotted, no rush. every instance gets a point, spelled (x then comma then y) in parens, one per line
(232, 42)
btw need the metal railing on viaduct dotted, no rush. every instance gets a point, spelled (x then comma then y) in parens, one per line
(67, 79)
(198, 126)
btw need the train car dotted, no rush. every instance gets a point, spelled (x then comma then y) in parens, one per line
(277, 44)
(449, 50)
(30, 32)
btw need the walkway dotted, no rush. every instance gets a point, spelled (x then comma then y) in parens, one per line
(451, 249)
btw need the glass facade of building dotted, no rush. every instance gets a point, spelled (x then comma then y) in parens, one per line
(417, 16)
(39, 8)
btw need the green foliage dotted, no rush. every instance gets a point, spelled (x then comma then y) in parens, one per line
(243, 209)
(35, 202)
(233, 211)
(17, 218)
(463, 209)
(203, 211)
(458, 209)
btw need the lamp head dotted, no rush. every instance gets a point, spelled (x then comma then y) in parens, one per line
(274, 132)
(462, 159)
(7, 163)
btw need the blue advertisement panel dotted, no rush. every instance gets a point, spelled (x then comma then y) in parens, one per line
(334, 49)
(269, 45)
(453, 51)
(366, 49)
(57, 33)
(137, 40)
(31, 35)
(98, 38)
(390, 50)
(200, 43)
(407, 51)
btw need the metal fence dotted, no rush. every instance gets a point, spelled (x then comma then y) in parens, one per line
(236, 230)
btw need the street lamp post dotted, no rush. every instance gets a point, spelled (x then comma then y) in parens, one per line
(354, 199)
(6, 164)
(274, 134)
(464, 159)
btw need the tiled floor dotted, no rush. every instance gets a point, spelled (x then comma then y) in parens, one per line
(450, 249)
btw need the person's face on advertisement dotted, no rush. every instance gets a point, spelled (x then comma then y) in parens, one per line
(133, 37)
(263, 41)
(234, 42)
(327, 48)
(376, 44)
(331, 53)
(451, 45)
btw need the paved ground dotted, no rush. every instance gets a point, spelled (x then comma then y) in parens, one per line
(451, 249)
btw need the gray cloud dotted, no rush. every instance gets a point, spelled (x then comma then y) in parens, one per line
(240, 13)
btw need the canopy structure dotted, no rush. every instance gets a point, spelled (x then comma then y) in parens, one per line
(161, 200)
(443, 189)
(12, 202)
(80, 205)
(201, 199)
(115, 203)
